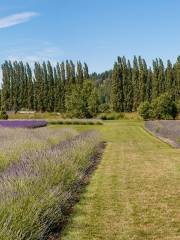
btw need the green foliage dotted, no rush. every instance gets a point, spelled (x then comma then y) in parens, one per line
(145, 110)
(116, 89)
(111, 116)
(178, 106)
(93, 103)
(104, 108)
(3, 115)
(82, 100)
(51, 88)
(45, 90)
(76, 122)
(162, 107)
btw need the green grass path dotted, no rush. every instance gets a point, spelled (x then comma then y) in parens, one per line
(135, 192)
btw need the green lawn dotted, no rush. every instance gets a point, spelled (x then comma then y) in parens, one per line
(135, 192)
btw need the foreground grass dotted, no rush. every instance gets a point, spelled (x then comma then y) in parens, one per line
(134, 193)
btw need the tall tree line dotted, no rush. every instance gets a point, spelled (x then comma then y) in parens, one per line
(41, 88)
(64, 87)
(133, 83)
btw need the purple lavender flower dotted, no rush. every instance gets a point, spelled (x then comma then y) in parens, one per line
(23, 123)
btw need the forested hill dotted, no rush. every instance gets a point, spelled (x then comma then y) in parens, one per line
(68, 87)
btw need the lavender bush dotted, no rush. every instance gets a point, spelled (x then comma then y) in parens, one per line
(13, 142)
(23, 123)
(35, 191)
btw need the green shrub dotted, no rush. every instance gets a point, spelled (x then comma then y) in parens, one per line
(178, 106)
(164, 107)
(145, 110)
(104, 108)
(3, 115)
(111, 116)
(82, 101)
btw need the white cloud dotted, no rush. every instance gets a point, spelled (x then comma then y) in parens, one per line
(15, 19)
(53, 54)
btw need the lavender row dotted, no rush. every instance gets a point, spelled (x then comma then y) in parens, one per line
(168, 129)
(23, 123)
(35, 191)
(13, 142)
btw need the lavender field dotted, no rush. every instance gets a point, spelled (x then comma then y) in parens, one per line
(168, 130)
(39, 172)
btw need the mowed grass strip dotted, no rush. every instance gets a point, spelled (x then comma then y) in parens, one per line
(134, 193)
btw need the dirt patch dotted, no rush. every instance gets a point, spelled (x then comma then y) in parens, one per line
(167, 130)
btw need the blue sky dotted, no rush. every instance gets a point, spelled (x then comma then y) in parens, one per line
(94, 31)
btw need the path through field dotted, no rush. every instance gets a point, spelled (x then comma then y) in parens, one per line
(135, 192)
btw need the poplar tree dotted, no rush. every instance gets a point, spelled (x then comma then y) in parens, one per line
(149, 86)
(5, 87)
(170, 79)
(155, 83)
(72, 73)
(39, 87)
(30, 92)
(63, 86)
(116, 98)
(79, 76)
(129, 93)
(161, 77)
(86, 72)
(50, 78)
(135, 83)
(177, 81)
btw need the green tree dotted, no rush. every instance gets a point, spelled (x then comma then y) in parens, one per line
(149, 86)
(161, 77)
(6, 91)
(39, 87)
(86, 72)
(50, 77)
(177, 79)
(116, 89)
(170, 79)
(79, 76)
(30, 92)
(155, 82)
(135, 83)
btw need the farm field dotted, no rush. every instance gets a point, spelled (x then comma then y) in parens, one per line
(134, 193)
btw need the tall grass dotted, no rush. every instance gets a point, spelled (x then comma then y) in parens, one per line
(36, 190)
